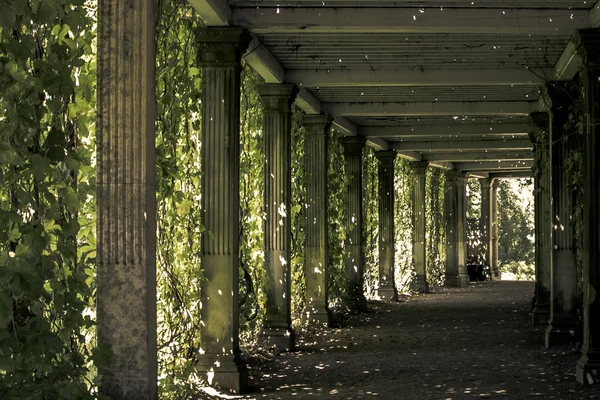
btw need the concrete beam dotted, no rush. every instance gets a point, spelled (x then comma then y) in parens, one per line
(478, 175)
(378, 143)
(458, 145)
(416, 77)
(479, 156)
(513, 175)
(389, 109)
(213, 12)
(410, 155)
(263, 62)
(344, 126)
(491, 165)
(290, 20)
(307, 102)
(448, 130)
(443, 165)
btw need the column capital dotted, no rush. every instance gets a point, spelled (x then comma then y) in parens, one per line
(558, 95)
(541, 124)
(495, 183)
(277, 97)
(587, 45)
(486, 183)
(221, 45)
(353, 145)
(317, 124)
(385, 157)
(419, 167)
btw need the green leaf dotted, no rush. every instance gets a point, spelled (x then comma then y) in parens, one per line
(6, 307)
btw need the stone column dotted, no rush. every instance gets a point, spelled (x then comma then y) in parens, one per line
(387, 287)
(126, 203)
(354, 261)
(220, 50)
(543, 233)
(317, 257)
(456, 274)
(588, 367)
(461, 182)
(563, 324)
(419, 247)
(277, 101)
(485, 223)
(494, 270)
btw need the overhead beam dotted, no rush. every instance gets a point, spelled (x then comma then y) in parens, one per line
(440, 130)
(443, 165)
(381, 109)
(513, 175)
(378, 144)
(417, 77)
(213, 12)
(479, 156)
(410, 155)
(344, 126)
(263, 62)
(410, 20)
(479, 175)
(491, 165)
(458, 145)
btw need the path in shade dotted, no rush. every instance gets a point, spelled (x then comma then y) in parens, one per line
(470, 343)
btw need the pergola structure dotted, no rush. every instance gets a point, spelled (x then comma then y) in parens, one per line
(454, 84)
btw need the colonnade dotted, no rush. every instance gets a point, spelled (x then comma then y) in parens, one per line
(556, 304)
(127, 211)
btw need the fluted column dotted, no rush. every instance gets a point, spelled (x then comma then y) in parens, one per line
(494, 270)
(456, 274)
(277, 101)
(354, 260)
(387, 287)
(126, 202)
(220, 50)
(543, 234)
(317, 257)
(588, 367)
(419, 246)
(563, 324)
(485, 223)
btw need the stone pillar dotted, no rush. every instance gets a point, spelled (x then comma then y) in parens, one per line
(387, 287)
(220, 50)
(588, 367)
(543, 233)
(419, 246)
(126, 203)
(456, 273)
(277, 129)
(494, 270)
(317, 257)
(354, 261)
(563, 324)
(485, 223)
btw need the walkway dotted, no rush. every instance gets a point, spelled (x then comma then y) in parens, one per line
(469, 343)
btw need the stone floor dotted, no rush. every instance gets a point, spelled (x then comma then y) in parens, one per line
(468, 343)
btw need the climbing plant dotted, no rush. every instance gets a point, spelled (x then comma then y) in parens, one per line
(475, 246)
(371, 221)
(403, 224)
(435, 226)
(47, 190)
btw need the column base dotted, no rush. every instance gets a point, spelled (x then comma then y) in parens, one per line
(563, 332)
(540, 315)
(225, 373)
(317, 318)
(495, 275)
(387, 294)
(420, 286)
(459, 280)
(588, 369)
(281, 338)
(358, 303)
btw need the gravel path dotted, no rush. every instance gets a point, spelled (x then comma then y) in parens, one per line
(468, 343)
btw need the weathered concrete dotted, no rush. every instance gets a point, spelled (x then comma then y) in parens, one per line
(588, 367)
(126, 202)
(543, 229)
(563, 325)
(494, 270)
(485, 222)
(317, 260)
(455, 212)
(220, 51)
(387, 287)
(277, 101)
(419, 246)
(354, 260)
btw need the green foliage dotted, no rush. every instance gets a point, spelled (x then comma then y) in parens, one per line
(336, 208)
(403, 224)
(475, 247)
(371, 221)
(47, 187)
(178, 162)
(435, 227)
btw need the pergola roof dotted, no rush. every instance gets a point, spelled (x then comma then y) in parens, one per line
(447, 81)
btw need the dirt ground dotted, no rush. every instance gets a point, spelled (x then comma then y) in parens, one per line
(468, 343)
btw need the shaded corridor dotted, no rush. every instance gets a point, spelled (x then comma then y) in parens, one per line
(463, 343)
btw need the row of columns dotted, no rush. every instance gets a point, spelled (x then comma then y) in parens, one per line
(555, 301)
(126, 208)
